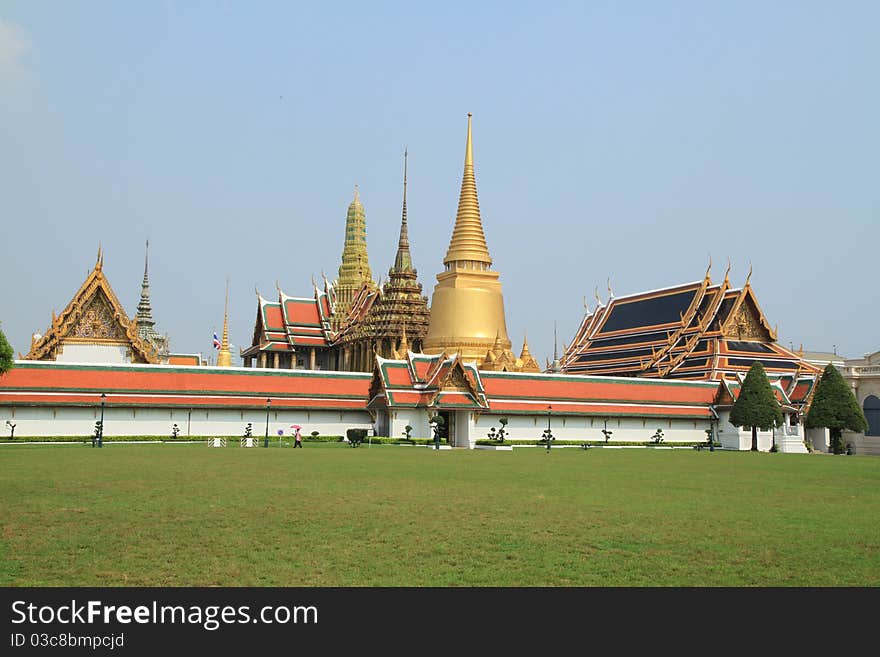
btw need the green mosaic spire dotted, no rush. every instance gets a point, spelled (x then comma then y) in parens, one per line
(355, 268)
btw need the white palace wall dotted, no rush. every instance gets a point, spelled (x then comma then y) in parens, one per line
(200, 422)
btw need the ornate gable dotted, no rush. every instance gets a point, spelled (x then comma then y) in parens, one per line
(747, 322)
(455, 382)
(93, 316)
(97, 321)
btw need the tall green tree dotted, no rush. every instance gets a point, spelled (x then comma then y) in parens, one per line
(756, 405)
(835, 408)
(6, 357)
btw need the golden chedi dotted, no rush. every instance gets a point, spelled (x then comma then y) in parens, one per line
(467, 308)
(224, 356)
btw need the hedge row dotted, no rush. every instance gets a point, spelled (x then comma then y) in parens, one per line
(596, 443)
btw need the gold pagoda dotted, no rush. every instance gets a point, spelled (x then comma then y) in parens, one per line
(354, 272)
(467, 308)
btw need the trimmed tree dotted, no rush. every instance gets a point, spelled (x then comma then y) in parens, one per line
(756, 405)
(7, 361)
(835, 408)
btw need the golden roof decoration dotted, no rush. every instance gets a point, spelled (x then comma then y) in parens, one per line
(93, 316)
(468, 241)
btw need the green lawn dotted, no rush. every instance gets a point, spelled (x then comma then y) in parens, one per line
(327, 515)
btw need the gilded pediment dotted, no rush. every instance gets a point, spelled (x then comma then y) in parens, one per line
(98, 322)
(746, 324)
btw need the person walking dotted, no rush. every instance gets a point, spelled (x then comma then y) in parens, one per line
(297, 438)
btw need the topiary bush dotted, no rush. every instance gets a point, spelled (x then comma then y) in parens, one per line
(356, 436)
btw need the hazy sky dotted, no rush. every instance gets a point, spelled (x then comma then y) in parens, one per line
(628, 140)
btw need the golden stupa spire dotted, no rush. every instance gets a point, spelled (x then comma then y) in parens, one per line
(467, 307)
(525, 353)
(224, 357)
(468, 242)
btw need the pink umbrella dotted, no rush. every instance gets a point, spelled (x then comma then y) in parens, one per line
(295, 426)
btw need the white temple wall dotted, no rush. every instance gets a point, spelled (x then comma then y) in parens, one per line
(200, 422)
(531, 427)
(417, 418)
(469, 426)
(789, 439)
(93, 353)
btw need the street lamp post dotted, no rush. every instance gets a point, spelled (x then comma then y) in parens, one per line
(101, 430)
(266, 440)
(548, 436)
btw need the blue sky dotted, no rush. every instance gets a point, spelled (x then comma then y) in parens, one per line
(628, 141)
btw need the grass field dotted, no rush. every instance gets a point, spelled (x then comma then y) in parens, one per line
(328, 515)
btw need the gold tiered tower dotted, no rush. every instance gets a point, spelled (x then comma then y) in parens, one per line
(467, 309)
(355, 268)
(224, 356)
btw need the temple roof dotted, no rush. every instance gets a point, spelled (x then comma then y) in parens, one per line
(93, 316)
(283, 325)
(48, 384)
(696, 330)
(438, 381)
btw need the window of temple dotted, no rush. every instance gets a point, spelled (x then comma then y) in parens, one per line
(872, 414)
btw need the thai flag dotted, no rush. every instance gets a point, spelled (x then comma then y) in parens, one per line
(216, 341)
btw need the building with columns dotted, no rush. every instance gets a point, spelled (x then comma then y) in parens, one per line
(863, 375)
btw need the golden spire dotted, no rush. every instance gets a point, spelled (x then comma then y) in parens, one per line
(467, 306)
(498, 348)
(468, 241)
(526, 362)
(404, 345)
(224, 357)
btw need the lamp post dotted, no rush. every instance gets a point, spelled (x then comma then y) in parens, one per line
(101, 430)
(266, 440)
(548, 435)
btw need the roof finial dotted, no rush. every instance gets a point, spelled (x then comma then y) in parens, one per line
(749, 276)
(709, 268)
(224, 357)
(100, 261)
(555, 348)
(610, 291)
(403, 259)
(403, 348)
(727, 273)
(596, 292)
(525, 353)
(144, 316)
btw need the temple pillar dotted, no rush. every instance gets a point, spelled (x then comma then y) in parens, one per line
(275, 361)
(312, 358)
(263, 359)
